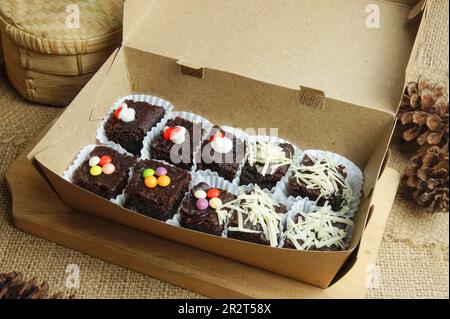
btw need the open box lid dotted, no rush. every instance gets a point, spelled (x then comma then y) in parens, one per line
(311, 44)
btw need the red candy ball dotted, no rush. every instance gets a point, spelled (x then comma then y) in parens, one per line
(117, 112)
(105, 159)
(213, 193)
(167, 133)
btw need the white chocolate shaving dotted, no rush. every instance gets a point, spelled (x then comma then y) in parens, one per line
(267, 156)
(256, 208)
(317, 229)
(324, 176)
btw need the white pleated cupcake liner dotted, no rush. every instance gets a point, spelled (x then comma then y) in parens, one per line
(307, 206)
(84, 155)
(354, 178)
(153, 100)
(240, 135)
(298, 153)
(194, 118)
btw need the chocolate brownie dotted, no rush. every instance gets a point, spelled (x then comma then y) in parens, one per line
(251, 221)
(159, 202)
(253, 171)
(205, 220)
(162, 146)
(105, 185)
(221, 152)
(130, 135)
(323, 235)
(314, 183)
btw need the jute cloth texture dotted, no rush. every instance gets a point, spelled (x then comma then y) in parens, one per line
(413, 257)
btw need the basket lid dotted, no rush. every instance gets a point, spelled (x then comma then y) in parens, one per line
(63, 27)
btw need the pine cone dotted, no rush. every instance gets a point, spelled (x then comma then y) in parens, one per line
(423, 116)
(12, 286)
(426, 179)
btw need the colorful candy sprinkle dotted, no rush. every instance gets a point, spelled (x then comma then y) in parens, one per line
(202, 204)
(167, 132)
(200, 193)
(215, 202)
(105, 159)
(148, 172)
(151, 181)
(108, 169)
(164, 181)
(213, 193)
(125, 114)
(161, 171)
(94, 161)
(178, 135)
(117, 112)
(95, 170)
(222, 145)
(218, 135)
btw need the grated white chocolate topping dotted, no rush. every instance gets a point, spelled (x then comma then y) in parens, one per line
(324, 176)
(318, 229)
(267, 155)
(255, 208)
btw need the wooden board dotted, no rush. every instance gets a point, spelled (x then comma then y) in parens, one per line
(37, 210)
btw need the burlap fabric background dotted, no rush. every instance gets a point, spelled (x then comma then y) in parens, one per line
(413, 258)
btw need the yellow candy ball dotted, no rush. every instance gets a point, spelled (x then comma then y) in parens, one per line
(95, 170)
(150, 181)
(164, 181)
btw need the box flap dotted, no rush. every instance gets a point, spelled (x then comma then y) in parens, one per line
(329, 46)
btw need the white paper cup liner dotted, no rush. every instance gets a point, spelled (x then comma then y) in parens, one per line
(307, 206)
(153, 100)
(194, 118)
(84, 154)
(298, 153)
(240, 135)
(354, 178)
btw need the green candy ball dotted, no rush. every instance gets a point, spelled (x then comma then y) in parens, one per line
(148, 172)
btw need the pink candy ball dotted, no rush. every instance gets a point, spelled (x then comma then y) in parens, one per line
(161, 171)
(202, 204)
(108, 169)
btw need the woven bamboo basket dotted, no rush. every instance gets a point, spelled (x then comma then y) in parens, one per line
(48, 56)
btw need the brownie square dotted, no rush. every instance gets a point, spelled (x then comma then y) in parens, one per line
(130, 135)
(259, 237)
(107, 186)
(206, 221)
(298, 187)
(252, 174)
(159, 202)
(224, 164)
(161, 148)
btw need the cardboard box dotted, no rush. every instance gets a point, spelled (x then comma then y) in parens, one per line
(314, 69)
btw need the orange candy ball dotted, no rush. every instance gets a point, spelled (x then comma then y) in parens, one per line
(164, 181)
(213, 193)
(150, 181)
